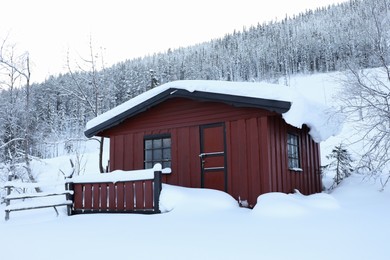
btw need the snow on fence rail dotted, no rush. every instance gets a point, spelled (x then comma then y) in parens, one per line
(118, 192)
(36, 200)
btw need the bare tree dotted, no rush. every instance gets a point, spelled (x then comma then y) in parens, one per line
(367, 103)
(366, 97)
(92, 97)
(19, 71)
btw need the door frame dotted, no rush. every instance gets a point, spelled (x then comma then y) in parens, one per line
(201, 129)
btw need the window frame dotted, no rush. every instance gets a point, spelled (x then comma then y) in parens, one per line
(293, 152)
(157, 150)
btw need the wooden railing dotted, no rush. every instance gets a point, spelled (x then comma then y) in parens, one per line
(35, 200)
(117, 192)
(114, 192)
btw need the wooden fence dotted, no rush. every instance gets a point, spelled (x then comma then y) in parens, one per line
(114, 192)
(35, 200)
(117, 192)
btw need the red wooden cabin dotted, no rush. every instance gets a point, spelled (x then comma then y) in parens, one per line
(213, 136)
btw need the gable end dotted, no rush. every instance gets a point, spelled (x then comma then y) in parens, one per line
(237, 101)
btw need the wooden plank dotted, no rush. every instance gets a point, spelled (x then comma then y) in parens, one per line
(96, 196)
(119, 152)
(103, 196)
(229, 157)
(128, 163)
(274, 180)
(176, 156)
(242, 159)
(265, 171)
(129, 196)
(138, 151)
(36, 195)
(318, 165)
(78, 196)
(278, 153)
(317, 184)
(233, 154)
(37, 205)
(31, 185)
(148, 188)
(254, 163)
(285, 169)
(111, 163)
(194, 151)
(139, 194)
(308, 158)
(87, 196)
(120, 195)
(183, 156)
(113, 167)
(111, 196)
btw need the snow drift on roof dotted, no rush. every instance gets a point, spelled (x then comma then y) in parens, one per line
(302, 111)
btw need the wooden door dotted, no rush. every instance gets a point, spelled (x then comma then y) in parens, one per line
(213, 156)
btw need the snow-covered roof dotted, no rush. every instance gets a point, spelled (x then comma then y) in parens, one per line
(295, 109)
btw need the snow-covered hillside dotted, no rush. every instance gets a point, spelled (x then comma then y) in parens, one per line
(350, 223)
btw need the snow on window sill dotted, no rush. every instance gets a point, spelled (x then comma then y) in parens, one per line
(296, 169)
(166, 171)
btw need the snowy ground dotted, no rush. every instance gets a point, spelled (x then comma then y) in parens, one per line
(353, 222)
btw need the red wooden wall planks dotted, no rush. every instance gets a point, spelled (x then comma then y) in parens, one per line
(256, 142)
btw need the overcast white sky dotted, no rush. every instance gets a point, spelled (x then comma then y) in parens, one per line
(47, 29)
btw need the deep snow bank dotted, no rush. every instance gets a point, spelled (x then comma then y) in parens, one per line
(180, 199)
(277, 204)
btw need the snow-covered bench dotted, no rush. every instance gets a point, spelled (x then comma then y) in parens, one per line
(36, 200)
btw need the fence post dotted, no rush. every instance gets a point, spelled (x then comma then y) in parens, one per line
(8, 191)
(7, 201)
(69, 187)
(157, 189)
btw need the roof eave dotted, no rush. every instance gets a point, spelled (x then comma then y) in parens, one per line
(128, 113)
(237, 101)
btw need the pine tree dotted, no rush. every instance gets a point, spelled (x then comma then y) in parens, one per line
(341, 164)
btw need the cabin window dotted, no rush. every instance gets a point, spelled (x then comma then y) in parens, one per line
(293, 151)
(157, 149)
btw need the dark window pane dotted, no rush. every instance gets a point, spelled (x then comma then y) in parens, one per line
(296, 163)
(148, 144)
(157, 143)
(157, 155)
(148, 165)
(148, 155)
(167, 153)
(166, 164)
(167, 142)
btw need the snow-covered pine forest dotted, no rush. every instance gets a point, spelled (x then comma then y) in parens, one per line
(316, 52)
(46, 119)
